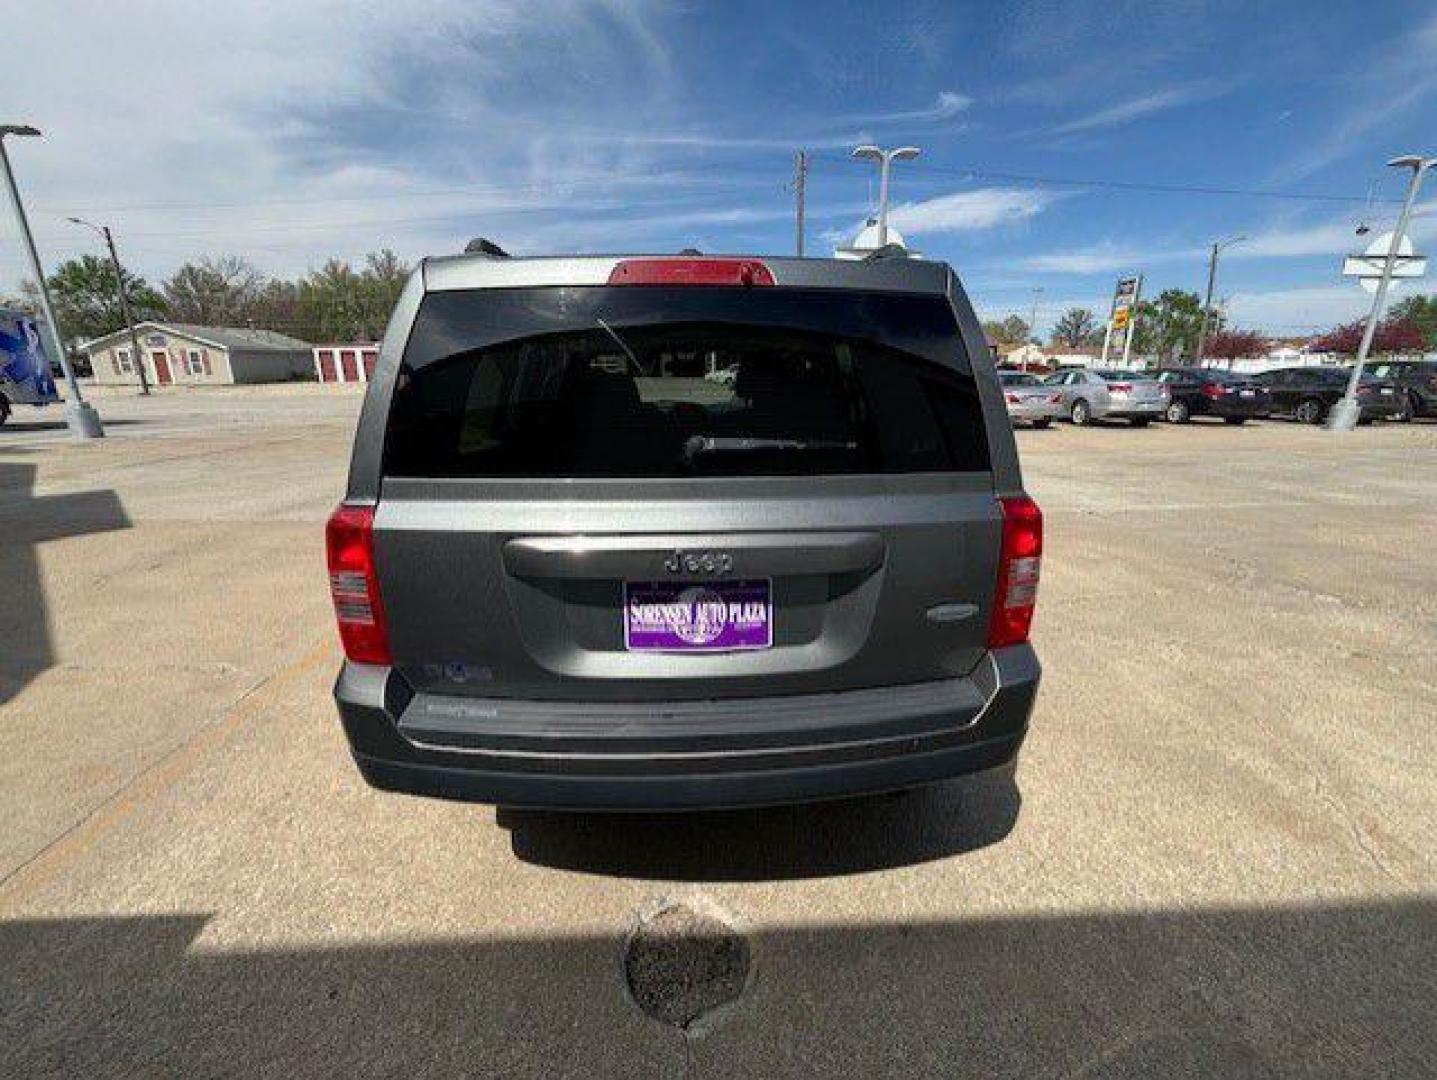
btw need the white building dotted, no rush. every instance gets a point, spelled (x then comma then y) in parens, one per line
(182, 353)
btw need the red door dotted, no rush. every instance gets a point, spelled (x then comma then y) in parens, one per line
(349, 364)
(371, 357)
(161, 361)
(326, 365)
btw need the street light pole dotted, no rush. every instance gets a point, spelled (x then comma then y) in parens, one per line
(1346, 412)
(885, 159)
(104, 231)
(1217, 247)
(81, 416)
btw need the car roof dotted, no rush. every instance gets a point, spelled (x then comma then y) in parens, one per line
(894, 274)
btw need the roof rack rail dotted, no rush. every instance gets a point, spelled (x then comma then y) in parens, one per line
(481, 245)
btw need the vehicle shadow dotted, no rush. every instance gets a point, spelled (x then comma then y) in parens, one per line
(27, 521)
(811, 840)
(1320, 992)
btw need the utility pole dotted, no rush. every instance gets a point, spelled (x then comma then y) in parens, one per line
(800, 182)
(885, 159)
(1032, 327)
(80, 415)
(1217, 247)
(1345, 413)
(104, 231)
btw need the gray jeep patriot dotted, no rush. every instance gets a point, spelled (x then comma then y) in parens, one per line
(661, 532)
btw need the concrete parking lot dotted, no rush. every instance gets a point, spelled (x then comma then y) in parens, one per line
(1217, 857)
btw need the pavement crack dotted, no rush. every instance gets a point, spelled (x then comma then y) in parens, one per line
(1359, 835)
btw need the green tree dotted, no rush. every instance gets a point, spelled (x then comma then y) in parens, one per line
(1421, 312)
(86, 298)
(1075, 328)
(215, 292)
(1168, 327)
(1010, 331)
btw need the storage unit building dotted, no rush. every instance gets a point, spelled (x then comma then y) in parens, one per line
(345, 363)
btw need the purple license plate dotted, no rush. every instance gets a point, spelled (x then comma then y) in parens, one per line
(697, 616)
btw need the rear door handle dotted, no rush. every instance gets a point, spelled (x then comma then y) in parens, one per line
(731, 555)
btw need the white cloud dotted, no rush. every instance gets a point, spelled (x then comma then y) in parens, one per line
(947, 105)
(1297, 310)
(1135, 109)
(968, 211)
(1097, 259)
(291, 132)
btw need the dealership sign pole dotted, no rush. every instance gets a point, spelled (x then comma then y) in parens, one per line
(1392, 249)
(1119, 334)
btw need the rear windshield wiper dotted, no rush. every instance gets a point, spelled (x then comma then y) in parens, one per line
(712, 444)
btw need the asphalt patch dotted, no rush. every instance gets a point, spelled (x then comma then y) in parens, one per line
(682, 964)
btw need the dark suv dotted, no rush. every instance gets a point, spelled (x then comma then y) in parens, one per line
(1416, 381)
(682, 532)
(1308, 393)
(1207, 392)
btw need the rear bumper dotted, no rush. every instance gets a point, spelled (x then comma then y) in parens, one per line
(1127, 410)
(1227, 407)
(1028, 412)
(686, 755)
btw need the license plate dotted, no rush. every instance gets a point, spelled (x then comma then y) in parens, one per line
(1249, 393)
(1386, 391)
(697, 616)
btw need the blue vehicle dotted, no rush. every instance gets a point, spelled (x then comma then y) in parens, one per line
(25, 377)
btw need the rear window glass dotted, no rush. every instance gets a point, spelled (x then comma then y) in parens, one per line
(659, 382)
(1018, 378)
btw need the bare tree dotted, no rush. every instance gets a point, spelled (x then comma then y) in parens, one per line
(1075, 328)
(222, 291)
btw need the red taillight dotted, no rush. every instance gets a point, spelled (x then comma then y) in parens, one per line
(349, 545)
(1212, 390)
(1121, 387)
(1013, 399)
(1019, 561)
(1055, 399)
(691, 271)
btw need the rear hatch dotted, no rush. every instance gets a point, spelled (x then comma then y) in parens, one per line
(663, 492)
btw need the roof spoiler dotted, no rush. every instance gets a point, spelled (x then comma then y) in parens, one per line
(481, 245)
(887, 251)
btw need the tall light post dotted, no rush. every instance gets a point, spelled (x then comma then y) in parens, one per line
(104, 231)
(84, 421)
(885, 159)
(1346, 412)
(1217, 247)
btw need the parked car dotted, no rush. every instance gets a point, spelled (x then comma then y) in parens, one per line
(562, 585)
(1109, 395)
(1308, 393)
(1028, 400)
(1208, 392)
(1416, 381)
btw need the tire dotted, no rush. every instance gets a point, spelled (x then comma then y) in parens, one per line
(4, 408)
(1178, 412)
(1309, 411)
(1235, 421)
(1139, 421)
(1081, 413)
(1042, 422)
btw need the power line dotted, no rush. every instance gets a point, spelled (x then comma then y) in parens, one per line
(1128, 185)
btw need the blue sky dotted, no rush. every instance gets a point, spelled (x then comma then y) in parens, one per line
(288, 133)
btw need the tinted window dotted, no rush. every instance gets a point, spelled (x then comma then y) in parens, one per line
(1018, 378)
(659, 382)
